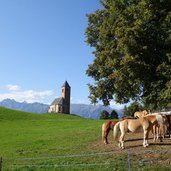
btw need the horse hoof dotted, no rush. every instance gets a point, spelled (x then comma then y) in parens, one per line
(105, 142)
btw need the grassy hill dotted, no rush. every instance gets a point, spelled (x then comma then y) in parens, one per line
(27, 135)
(64, 142)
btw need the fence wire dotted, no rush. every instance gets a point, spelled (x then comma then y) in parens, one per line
(131, 156)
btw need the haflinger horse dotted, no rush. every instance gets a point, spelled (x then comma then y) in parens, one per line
(160, 130)
(168, 116)
(106, 127)
(169, 124)
(166, 128)
(141, 114)
(136, 125)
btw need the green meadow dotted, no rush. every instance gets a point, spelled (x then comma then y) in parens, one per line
(49, 142)
(58, 142)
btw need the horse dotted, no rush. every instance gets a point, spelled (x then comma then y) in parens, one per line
(135, 125)
(169, 124)
(161, 128)
(168, 116)
(140, 114)
(106, 127)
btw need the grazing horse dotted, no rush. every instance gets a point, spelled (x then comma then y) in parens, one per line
(140, 114)
(168, 116)
(106, 127)
(169, 124)
(135, 125)
(161, 128)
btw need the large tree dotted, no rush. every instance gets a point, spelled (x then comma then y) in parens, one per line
(132, 42)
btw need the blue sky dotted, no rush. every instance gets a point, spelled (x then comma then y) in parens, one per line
(42, 45)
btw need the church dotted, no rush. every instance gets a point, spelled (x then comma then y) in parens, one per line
(62, 104)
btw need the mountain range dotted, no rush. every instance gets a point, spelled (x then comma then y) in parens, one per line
(83, 110)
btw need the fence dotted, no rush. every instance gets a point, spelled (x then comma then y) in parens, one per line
(133, 160)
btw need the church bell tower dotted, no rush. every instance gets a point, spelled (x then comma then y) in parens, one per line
(66, 92)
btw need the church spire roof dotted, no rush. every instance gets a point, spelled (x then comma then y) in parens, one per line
(66, 84)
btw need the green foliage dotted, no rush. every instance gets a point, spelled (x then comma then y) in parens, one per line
(130, 110)
(104, 114)
(132, 41)
(114, 115)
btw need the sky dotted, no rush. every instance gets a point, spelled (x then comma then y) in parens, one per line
(42, 44)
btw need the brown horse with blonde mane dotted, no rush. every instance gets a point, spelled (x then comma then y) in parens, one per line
(144, 124)
(106, 127)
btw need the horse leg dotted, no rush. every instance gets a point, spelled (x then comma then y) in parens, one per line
(105, 138)
(161, 133)
(121, 140)
(154, 132)
(147, 138)
(145, 143)
(105, 132)
(158, 132)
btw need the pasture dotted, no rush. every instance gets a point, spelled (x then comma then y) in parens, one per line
(68, 142)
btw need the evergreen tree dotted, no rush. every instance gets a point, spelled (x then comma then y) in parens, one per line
(104, 114)
(114, 115)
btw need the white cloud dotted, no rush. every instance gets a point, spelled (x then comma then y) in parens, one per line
(118, 106)
(29, 96)
(12, 87)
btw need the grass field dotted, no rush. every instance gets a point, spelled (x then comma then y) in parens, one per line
(68, 142)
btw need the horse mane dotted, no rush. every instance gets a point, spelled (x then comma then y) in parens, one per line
(128, 117)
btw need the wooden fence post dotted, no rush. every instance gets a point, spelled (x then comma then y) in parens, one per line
(1, 164)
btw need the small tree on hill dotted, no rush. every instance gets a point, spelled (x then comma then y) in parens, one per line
(104, 114)
(114, 115)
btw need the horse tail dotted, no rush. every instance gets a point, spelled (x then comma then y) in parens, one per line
(103, 131)
(116, 130)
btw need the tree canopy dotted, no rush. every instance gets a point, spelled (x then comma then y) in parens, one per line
(132, 56)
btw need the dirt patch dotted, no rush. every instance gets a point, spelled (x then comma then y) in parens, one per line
(133, 141)
(157, 154)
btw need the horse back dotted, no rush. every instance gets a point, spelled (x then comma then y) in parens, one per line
(110, 124)
(132, 125)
